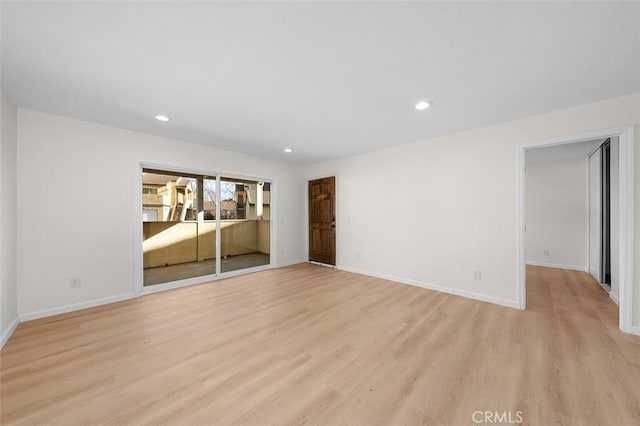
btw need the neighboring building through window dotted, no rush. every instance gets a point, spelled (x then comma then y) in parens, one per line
(181, 237)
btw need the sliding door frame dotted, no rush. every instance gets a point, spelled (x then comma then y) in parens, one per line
(605, 214)
(626, 214)
(138, 263)
(594, 222)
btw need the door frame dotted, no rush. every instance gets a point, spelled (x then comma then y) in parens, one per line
(626, 213)
(605, 220)
(306, 217)
(591, 194)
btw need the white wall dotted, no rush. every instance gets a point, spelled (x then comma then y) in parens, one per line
(557, 213)
(458, 200)
(8, 210)
(458, 194)
(76, 197)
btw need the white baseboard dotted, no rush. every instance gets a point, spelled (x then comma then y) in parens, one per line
(244, 271)
(172, 285)
(325, 265)
(614, 298)
(443, 289)
(209, 278)
(147, 290)
(635, 330)
(290, 263)
(75, 307)
(6, 334)
(557, 265)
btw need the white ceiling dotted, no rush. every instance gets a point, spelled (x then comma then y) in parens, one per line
(326, 79)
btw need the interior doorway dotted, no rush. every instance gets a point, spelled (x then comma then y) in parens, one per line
(322, 220)
(621, 242)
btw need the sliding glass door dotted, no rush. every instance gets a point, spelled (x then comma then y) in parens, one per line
(600, 208)
(605, 205)
(197, 225)
(245, 208)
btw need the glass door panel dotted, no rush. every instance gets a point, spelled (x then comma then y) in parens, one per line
(197, 225)
(174, 234)
(245, 214)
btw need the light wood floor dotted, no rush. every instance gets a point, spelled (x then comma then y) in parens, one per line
(307, 344)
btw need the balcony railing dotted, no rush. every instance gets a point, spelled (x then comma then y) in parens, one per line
(171, 243)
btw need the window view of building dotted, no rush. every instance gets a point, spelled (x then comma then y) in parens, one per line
(240, 200)
(180, 229)
(168, 198)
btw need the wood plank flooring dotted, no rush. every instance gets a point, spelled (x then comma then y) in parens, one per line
(307, 344)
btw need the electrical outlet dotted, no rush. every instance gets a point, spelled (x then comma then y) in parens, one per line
(75, 282)
(546, 252)
(477, 274)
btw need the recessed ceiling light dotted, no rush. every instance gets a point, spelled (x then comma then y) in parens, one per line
(288, 150)
(422, 105)
(162, 118)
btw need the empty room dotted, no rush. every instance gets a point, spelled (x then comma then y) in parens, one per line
(326, 213)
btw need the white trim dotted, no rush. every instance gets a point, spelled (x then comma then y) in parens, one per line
(146, 291)
(326, 265)
(635, 330)
(614, 298)
(172, 285)
(196, 171)
(6, 335)
(290, 263)
(521, 229)
(604, 287)
(274, 225)
(243, 271)
(592, 192)
(588, 206)
(626, 227)
(203, 279)
(557, 266)
(436, 287)
(626, 212)
(76, 307)
(218, 241)
(138, 262)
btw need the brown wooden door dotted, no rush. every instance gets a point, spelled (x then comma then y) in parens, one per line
(322, 220)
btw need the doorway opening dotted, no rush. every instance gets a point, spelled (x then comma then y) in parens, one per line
(609, 239)
(322, 220)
